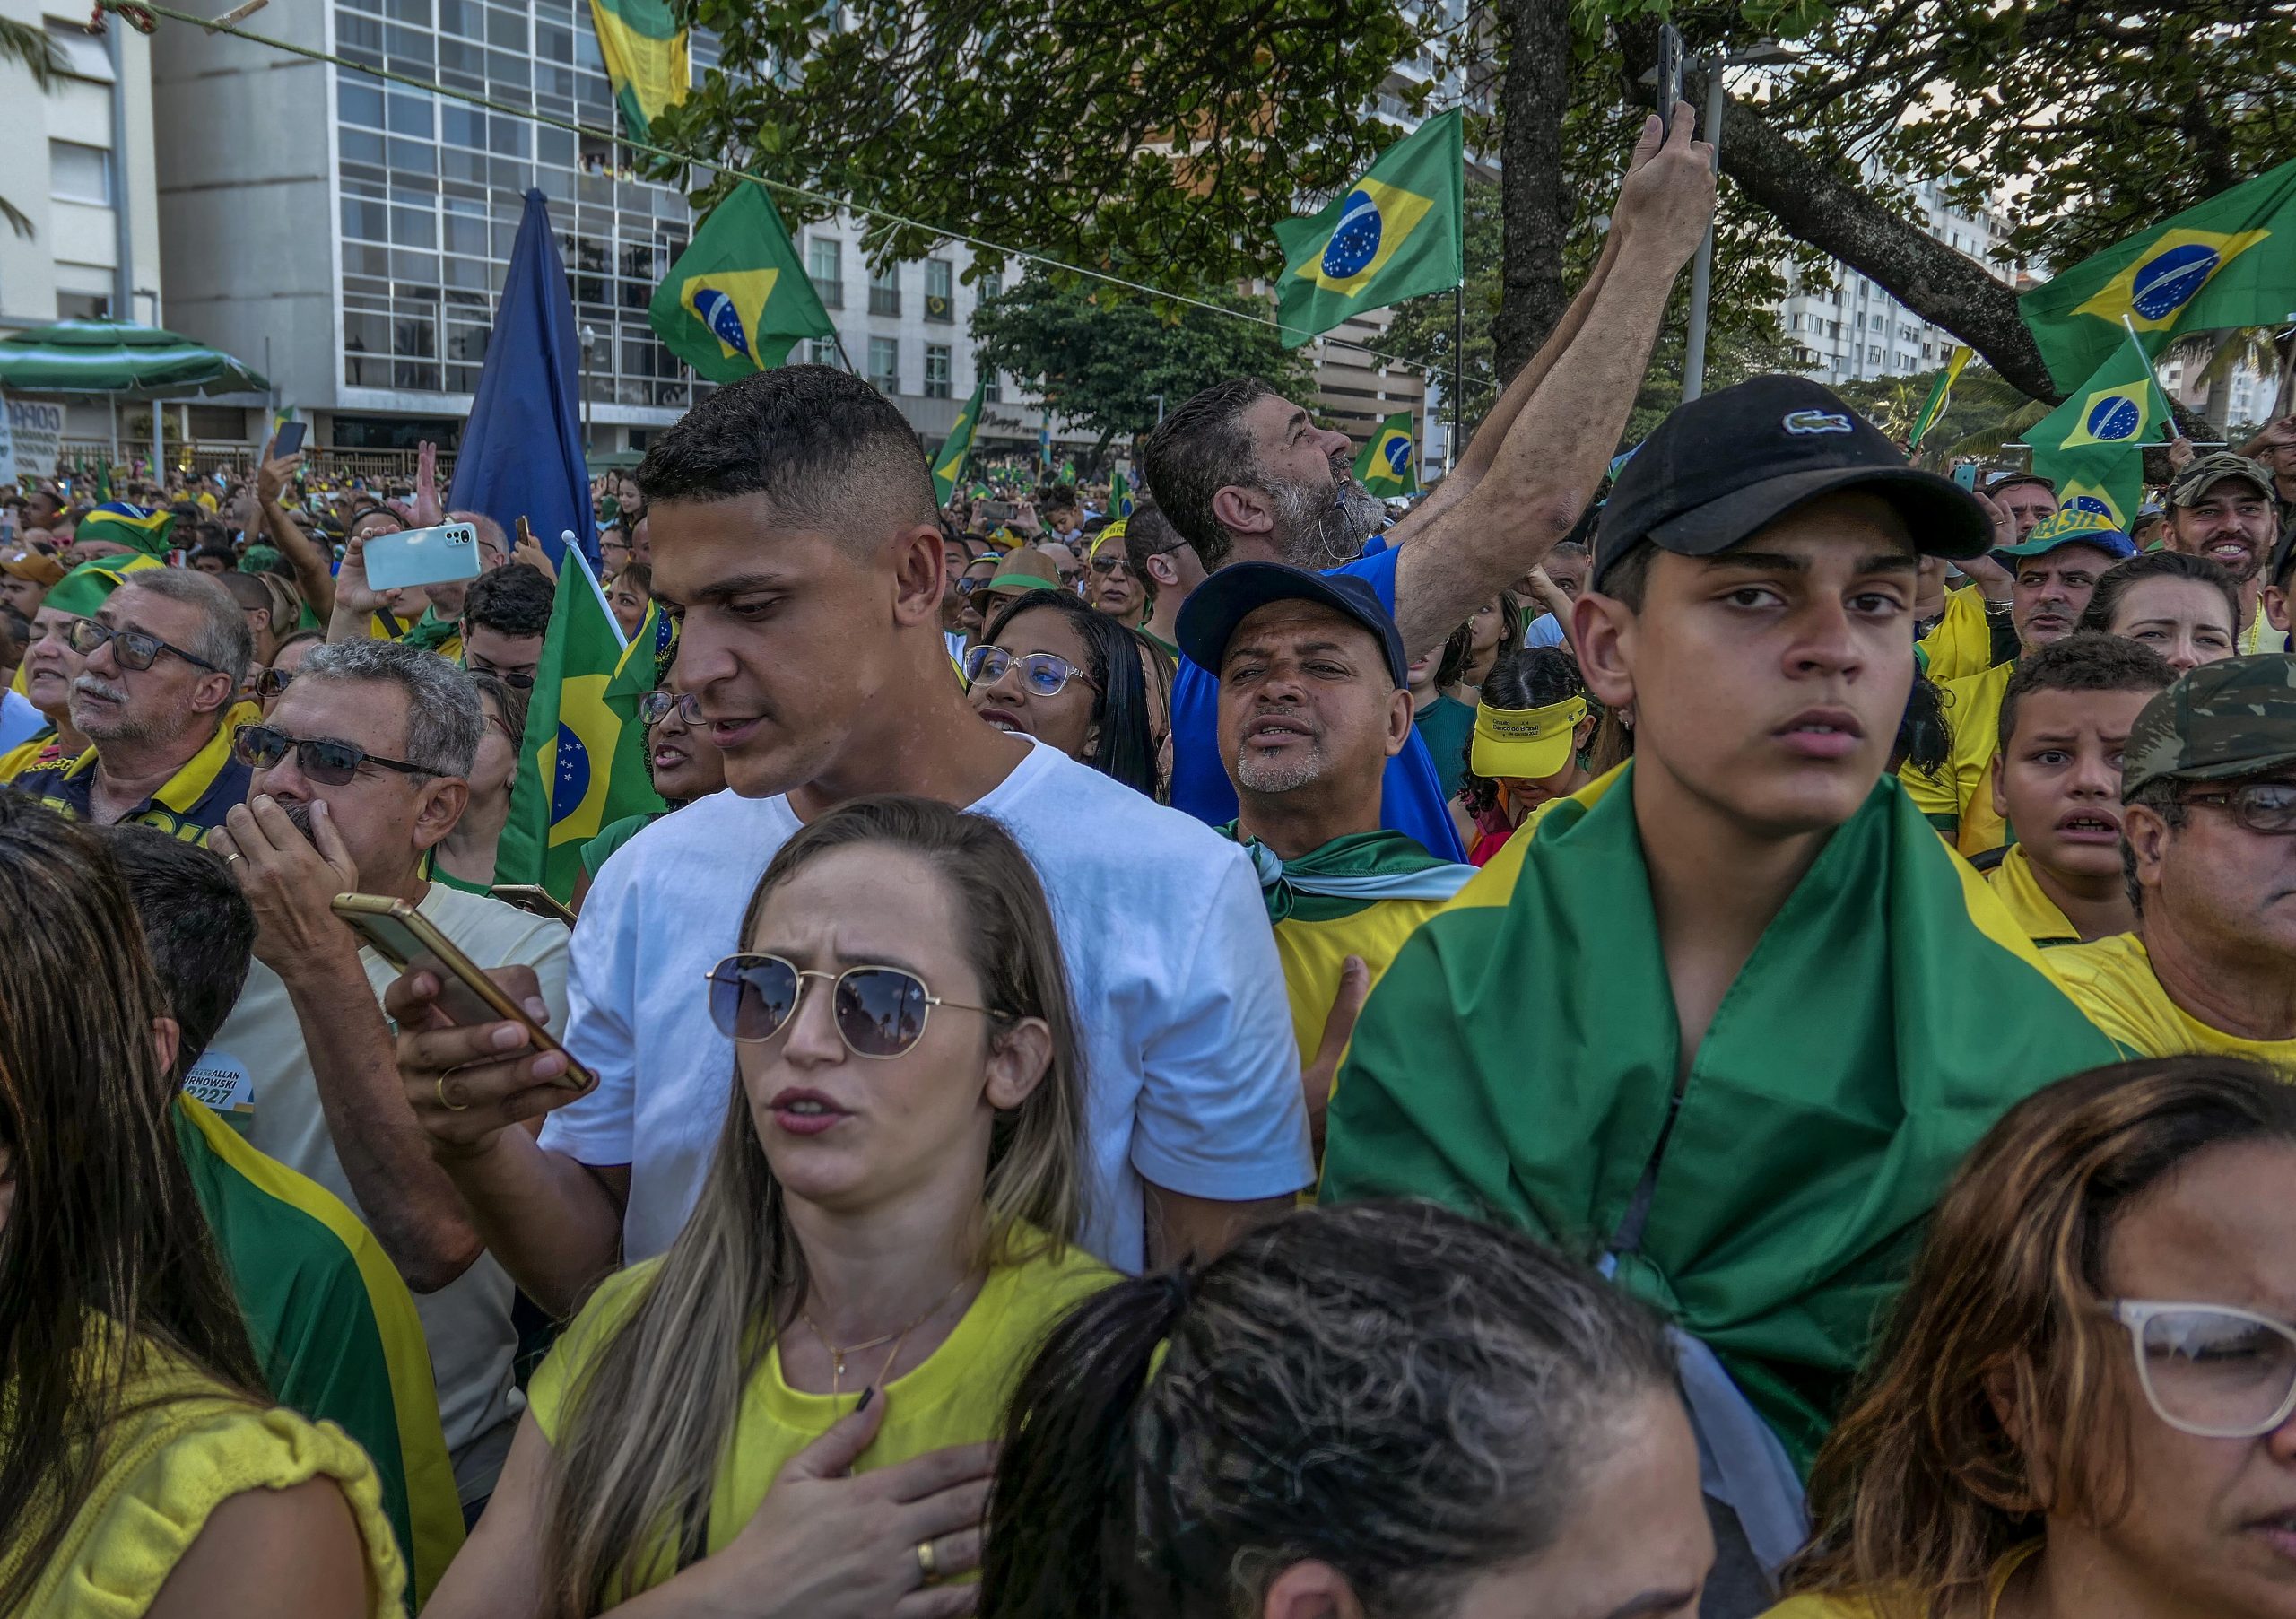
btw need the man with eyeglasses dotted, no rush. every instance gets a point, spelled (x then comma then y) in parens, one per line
(162, 660)
(505, 615)
(360, 772)
(2208, 841)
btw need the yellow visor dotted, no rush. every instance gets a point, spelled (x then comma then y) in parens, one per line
(1528, 745)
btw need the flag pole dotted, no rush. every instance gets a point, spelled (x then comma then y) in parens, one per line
(1458, 367)
(837, 338)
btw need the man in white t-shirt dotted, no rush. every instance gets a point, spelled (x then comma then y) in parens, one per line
(358, 772)
(794, 533)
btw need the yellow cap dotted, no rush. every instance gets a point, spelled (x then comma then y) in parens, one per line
(1526, 744)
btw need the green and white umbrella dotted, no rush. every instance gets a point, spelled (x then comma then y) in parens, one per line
(121, 358)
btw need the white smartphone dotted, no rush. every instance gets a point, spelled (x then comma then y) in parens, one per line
(422, 556)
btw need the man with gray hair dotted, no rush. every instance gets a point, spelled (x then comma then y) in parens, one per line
(358, 772)
(163, 658)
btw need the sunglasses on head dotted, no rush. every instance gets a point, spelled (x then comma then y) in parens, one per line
(879, 1011)
(132, 647)
(329, 763)
(1042, 673)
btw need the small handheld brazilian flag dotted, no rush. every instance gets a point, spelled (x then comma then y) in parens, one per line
(738, 298)
(2092, 446)
(949, 460)
(2229, 262)
(1394, 233)
(1390, 464)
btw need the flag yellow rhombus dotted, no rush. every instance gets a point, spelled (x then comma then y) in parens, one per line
(2174, 269)
(2113, 417)
(580, 762)
(729, 302)
(1386, 215)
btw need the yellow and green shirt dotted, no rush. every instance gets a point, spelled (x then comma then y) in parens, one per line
(2113, 981)
(1957, 799)
(188, 807)
(2020, 893)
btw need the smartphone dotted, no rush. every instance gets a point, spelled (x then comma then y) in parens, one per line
(532, 896)
(422, 556)
(404, 937)
(290, 440)
(1670, 75)
(1965, 474)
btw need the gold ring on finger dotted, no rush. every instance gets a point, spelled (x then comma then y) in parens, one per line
(451, 1107)
(926, 1563)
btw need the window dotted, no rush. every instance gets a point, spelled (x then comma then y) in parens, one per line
(994, 392)
(885, 363)
(82, 306)
(940, 299)
(885, 291)
(992, 283)
(936, 369)
(825, 262)
(821, 351)
(85, 54)
(79, 174)
(1874, 353)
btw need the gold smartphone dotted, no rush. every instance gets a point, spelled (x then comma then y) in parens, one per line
(535, 897)
(404, 937)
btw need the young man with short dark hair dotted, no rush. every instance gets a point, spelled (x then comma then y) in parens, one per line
(505, 615)
(1167, 564)
(1726, 1018)
(2065, 716)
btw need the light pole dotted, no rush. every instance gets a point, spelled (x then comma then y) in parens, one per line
(1702, 270)
(589, 337)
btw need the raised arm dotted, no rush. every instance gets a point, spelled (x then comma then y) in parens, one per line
(1551, 459)
(312, 575)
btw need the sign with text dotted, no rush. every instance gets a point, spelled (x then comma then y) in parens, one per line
(34, 439)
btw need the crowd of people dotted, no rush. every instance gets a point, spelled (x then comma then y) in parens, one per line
(1711, 1035)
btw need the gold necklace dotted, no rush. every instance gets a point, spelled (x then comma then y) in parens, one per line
(837, 1355)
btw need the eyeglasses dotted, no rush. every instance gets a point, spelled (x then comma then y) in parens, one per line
(1042, 673)
(327, 762)
(2209, 1370)
(2261, 806)
(521, 678)
(879, 1011)
(270, 683)
(132, 647)
(654, 707)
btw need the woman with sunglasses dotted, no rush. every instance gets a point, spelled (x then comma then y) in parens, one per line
(2086, 1405)
(1054, 667)
(885, 1232)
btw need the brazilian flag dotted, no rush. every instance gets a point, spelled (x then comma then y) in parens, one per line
(1390, 464)
(1521, 1059)
(949, 464)
(646, 60)
(2229, 262)
(582, 760)
(138, 528)
(1394, 233)
(1119, 495)
(2092, 446)
(738, 298)
(1940, 397)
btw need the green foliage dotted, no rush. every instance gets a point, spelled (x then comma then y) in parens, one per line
(1101, 360)
(1984, 413)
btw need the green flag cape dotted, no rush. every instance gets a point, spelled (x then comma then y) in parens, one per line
(1390, 464)
(582, 761)
(738, 299)
(2091, 447)
(647, 59)
(1395, 234)
(1347, 874)
(2229, 262)
(1519, 1058)
(949, 463)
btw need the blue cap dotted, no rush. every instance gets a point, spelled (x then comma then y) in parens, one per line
(1230, 596)
(2073, 526)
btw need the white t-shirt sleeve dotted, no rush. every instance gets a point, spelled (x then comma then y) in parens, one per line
(1546, 630)
(1220, 1113)
(598, 997)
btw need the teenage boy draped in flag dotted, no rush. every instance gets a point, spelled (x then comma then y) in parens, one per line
(1725, 1020)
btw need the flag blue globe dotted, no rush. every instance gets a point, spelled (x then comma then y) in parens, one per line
(572, 784)
(2091, 503)
(2115, 418)
(1355, 239)
(1397, 452)
(724, 319)
(2164, 285)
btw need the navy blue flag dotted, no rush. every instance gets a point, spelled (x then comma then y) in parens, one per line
(522, 448)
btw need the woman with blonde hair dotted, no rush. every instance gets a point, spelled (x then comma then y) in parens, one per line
(885, 1232)
(2087, 1404)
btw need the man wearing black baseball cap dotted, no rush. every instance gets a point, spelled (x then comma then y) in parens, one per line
(1728, 1016)
(1314, 699)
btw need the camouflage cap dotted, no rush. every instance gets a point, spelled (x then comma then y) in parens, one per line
(2212, 469)
(2233, 717)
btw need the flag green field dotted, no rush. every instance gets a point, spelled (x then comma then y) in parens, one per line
(1939, 398)
(738, 298)
(1395, 234)
(2092, 446)
(646, 60)
(949, 463)
(1390, 464)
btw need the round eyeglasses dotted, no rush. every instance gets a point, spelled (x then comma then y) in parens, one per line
(654, 707)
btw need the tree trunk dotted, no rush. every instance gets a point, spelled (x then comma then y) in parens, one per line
(1819, 204)
(1535, 207)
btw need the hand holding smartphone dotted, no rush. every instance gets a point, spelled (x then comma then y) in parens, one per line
(1670, 76)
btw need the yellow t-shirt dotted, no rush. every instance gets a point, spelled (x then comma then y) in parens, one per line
(956, 1397)
(19, 758)
(1860, 1608)
(2020, 893)
(1961, 793)
(2112, 981)
(186, 1446)
(1312, 952)
(1961, 645)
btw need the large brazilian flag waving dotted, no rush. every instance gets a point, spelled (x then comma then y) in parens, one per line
(1394, 234)
(1519, 1060)
(582, 761)
(647, 59)
(2229, 262)
(2092, 446)
(738, 298)
(949, 461)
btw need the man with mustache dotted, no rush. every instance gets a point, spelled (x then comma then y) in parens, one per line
(2223, 507)
(162, 661)
(358, 772)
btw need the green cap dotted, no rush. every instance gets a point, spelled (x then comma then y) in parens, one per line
(2234, 717)
(2213, 469)
(2071, 526)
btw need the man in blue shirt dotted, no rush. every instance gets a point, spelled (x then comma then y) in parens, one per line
(1246, 475)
